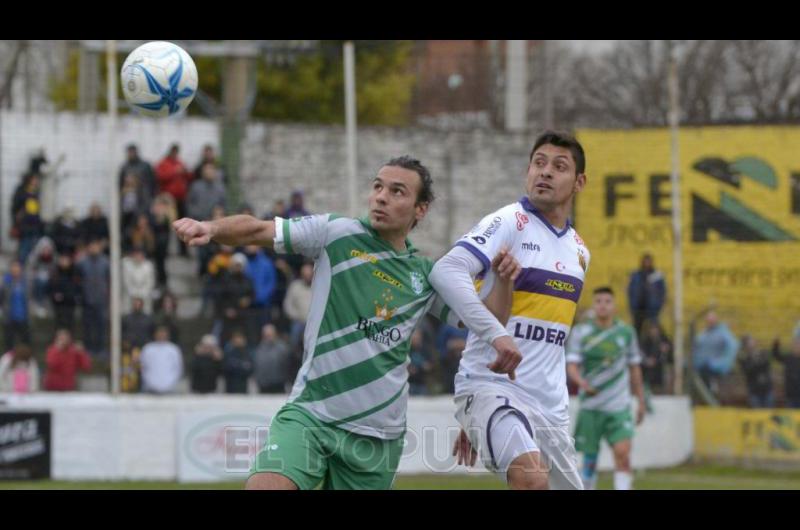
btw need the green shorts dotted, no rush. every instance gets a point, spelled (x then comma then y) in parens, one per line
(309, 453)
(594, 425)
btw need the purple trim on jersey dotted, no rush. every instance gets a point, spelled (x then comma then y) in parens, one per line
(532, 280)
(478, 254)
(513, 411)
(526, 203)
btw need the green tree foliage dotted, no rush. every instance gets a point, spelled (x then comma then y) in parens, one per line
(312, 89)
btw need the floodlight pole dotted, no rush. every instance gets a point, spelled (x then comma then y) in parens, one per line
(350, 126)
(114, 240)
(677, 237)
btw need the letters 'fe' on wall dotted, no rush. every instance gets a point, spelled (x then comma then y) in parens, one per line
(740, 195)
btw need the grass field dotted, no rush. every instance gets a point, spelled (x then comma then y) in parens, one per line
(689, 477)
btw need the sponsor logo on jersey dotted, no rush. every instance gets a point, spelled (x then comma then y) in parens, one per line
(582, 260)
(533, 247)
(363, 256)
(417, 284)
(522, 220)
(382, 276)
(560, 285)
(539, 334)
(492, 228)
(375, 332)
(479, 240)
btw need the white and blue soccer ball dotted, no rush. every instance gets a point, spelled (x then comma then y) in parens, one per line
(159, 79)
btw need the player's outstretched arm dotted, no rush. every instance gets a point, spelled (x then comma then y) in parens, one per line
(235, 230)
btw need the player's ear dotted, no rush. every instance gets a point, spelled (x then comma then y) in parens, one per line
(580, 182)
(420, 209)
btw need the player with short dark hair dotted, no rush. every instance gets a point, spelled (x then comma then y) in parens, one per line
(603, 359)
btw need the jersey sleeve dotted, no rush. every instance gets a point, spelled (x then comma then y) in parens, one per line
(440, 310)
(301, 235)
(634, 353)
(486, 238)
(573, 345)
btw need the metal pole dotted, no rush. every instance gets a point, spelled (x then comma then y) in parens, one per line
(677, 237)
(516, 85)
(114, 313)
(350, 125)
(547, 96)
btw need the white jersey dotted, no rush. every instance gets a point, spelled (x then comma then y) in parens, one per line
(546, 294)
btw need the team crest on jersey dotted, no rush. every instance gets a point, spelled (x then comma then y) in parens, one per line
(417, 285)
(384, 311)
(522, 220)
(582, 260)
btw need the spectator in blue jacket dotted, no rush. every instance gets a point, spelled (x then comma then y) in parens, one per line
(14, 297)
(262, 273)
(647, 291)
(714, 351)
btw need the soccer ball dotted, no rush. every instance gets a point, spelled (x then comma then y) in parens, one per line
(159, 79)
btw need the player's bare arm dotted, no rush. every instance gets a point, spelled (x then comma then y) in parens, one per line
(637, 387)
(235, 230)
(574, 374)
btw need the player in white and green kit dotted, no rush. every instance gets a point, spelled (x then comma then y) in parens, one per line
(344, 423)
(603, 360)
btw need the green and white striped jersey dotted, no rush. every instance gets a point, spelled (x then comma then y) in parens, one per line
(604, 356)
(366, 299)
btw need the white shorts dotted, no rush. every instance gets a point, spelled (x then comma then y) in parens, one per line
(500, 427)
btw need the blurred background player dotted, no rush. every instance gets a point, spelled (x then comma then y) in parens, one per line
(603, 360)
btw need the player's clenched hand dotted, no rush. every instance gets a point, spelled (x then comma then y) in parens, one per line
(640, 410)
(464, 451)
(508, 357)
(193, 233)
(506, 266)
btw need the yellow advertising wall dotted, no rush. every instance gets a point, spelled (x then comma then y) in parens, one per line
(767, 434)
(740, 218)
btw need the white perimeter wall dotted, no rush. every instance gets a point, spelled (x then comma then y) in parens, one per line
(205, 438)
